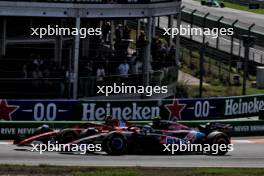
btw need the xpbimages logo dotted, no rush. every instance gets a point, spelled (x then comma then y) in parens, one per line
(59, 31)
(197, 148)
(128, 89)
(197, 31)
(56, 147)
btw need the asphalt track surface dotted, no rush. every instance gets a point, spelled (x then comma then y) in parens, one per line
(247, 153)
(230, 15)
(243, 16)
(256, 54)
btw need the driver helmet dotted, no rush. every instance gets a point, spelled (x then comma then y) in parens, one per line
(45, 126)
(42, 128)
(147, 129)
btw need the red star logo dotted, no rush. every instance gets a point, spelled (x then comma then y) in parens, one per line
(175, 110)
(6, 110)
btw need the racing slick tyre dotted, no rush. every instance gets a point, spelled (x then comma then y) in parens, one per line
(115, 144)
(68, 137)
(220, 140)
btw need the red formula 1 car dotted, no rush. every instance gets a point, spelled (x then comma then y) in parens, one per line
(44, 133)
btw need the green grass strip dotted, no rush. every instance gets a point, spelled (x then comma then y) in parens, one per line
(44, 170)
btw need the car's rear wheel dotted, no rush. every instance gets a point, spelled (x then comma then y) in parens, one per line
(115, 144)
(219, 143)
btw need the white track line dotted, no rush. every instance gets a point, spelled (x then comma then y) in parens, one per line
(242, 141)
(6, 142)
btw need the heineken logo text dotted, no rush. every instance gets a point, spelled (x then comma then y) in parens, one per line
(235, 108)
(92, 112)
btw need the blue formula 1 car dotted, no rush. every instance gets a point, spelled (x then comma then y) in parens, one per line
(158, 138)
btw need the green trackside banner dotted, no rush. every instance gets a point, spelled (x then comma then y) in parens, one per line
(133, 110)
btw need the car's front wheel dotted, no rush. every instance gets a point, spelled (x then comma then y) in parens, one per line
(115, 144)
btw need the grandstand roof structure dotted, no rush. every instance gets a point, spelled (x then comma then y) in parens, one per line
(89, 8)
(18, 17)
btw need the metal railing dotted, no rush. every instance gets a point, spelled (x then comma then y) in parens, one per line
(196, 18)
(164, 76)
(62, 87)
(229, 44)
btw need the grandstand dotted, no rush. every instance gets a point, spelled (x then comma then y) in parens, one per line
(67, 66)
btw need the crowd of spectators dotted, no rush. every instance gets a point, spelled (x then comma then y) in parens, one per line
(120, 62)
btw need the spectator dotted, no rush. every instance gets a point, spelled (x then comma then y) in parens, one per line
(89, 80)
(119, 33)
(37, 75)
(123, 69)
(69, 75)
(141, 44)
(154, 49)
(63, 81)
(138, 66)
(127, 33)
(88, 69)
(100, 73)
(132, 62)
(106, 28)
(38, 62)
(25, 71)
(46, 73)
(171, 56)
(126, 38)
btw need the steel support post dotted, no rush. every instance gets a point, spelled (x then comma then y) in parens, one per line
(146, 61)
(58, 47)
(178, 44)
(3, 37)
(231, 52)
(153, 26)
(76, 58)
(112, 34)
(170, 25)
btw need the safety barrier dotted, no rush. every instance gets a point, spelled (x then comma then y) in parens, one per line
(134, 110)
